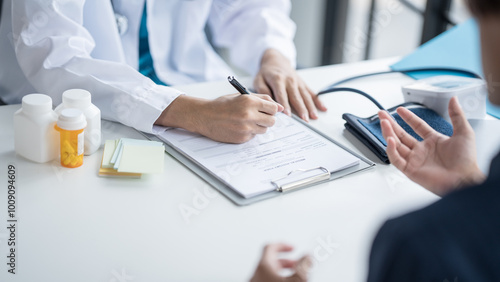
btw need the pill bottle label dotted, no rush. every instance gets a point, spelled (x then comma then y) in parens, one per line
(80, 143)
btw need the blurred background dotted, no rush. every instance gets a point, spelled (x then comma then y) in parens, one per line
(339, 31)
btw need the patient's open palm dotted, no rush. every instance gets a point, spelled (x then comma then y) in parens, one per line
(439, 163)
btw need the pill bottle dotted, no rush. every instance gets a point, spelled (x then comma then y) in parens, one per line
(81, 99)
(34, 134)
(70, 124)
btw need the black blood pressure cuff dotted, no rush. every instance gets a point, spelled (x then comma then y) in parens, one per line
(368, 130)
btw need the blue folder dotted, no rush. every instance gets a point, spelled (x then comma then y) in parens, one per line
(458, 47)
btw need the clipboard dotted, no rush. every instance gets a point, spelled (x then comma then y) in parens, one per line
(282, 187)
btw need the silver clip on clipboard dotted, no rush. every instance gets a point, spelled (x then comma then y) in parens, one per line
(287, 183)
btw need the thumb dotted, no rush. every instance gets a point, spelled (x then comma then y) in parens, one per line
(301, 270)
(458, 119)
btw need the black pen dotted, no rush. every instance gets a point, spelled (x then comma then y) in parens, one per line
(237, 85)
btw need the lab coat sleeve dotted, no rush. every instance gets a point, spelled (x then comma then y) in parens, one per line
(249, 27)
(53, 50)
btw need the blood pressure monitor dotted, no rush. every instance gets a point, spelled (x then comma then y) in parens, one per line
(435, 93)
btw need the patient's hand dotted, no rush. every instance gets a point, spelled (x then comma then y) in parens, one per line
(270, 265)
(439, 163)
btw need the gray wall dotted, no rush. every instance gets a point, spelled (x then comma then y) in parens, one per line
(309, 17)
(397, 30)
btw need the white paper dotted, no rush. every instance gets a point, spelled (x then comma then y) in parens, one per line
(250, 167)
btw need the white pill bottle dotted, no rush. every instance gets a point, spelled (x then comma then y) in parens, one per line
(81, 99)
(34, 135)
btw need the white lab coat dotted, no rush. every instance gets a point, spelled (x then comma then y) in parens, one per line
(62, 44)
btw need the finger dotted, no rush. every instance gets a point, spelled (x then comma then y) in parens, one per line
(261, 86)
(287, 263)
(399, 133)
(301, 270)
(280, 95)
(308, 101)
(278, 247)
(458, 118)
(394, 157)
(416, 123)
(258, 129)
(387, 132)
(272, 250)
(319, 105)
(268, 98)
(388, 127)
(280, 107)
(265, 120)
(384, 115)
(297, 102)
(269, 108)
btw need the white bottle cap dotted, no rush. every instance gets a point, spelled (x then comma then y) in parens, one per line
(36, 104)
(71, 119)
(76, 98)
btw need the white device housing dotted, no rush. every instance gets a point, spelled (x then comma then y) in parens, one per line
(435, 93)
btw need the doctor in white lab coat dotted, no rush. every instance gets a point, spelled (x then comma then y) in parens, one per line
(54, 45)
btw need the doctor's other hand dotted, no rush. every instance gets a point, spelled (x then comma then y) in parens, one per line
(233, 118)
(439, 163)
(279, 79)
(270, 265)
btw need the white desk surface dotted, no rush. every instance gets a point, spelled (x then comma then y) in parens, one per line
(76, 226)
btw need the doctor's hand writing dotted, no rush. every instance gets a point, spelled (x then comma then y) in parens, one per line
(270, 265)
(439, 163)
(232, 118)
(279, 79)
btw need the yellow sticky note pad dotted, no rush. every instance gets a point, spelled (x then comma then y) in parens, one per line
(142, 159)
(109, 172)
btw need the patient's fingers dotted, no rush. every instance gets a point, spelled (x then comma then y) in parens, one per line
(416, 123)
(387, 131)
(396, 131)
(287, 263)
(458, 118)
(396, 159)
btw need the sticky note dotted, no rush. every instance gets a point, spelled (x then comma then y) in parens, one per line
(109, 149)
(117, 152)
(116, 159)
(109, 172)
(142, 159)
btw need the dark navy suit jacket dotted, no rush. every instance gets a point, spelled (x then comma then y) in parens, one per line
(455, 239)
